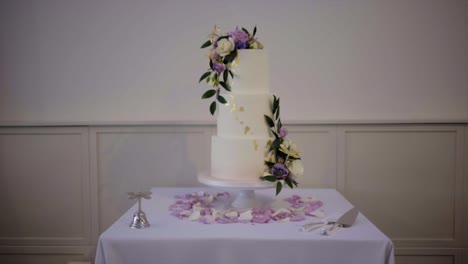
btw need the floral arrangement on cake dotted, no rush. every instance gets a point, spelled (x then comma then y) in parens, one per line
(222, 56)
(284, 163)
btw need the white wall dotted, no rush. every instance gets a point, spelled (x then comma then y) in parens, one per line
(118, 61)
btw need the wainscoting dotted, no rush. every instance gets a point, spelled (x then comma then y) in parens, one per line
(60, 187)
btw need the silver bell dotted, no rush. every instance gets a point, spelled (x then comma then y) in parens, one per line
(139, 220)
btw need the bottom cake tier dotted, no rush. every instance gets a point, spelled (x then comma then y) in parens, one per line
(238, 159)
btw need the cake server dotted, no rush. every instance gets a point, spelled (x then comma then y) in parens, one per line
(345, 220)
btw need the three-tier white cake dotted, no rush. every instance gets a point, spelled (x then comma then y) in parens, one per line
(240, 148)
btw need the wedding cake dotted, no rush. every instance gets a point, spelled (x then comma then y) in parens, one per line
(239, 149)
(250, 148)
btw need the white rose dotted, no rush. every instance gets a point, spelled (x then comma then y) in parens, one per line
(296, 169)
(225, 46)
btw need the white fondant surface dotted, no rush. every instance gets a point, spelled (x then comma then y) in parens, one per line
(252, 74)
(238, 152)
(245, 110)
(234, 184)
(236, 158)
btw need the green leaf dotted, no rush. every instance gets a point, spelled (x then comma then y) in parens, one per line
(275, 144)
(213, 107)
(269, 178)
(275, 134)
(280, 125)
(269, 164)
(223, 37)
(211, 64)
(208, 94)
(230, 57)
(225, 75)
(245, 30)
(225, 86)
(295, 183)
(222, 99)
(289, 183)
(275, 103)
(230, 73)
(274, 110)
(269, 121)
(277, 113)
(206, 74)
(255, 30)
(206, 44)
(279, 186)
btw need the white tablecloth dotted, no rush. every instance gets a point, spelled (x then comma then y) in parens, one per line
(170, 240)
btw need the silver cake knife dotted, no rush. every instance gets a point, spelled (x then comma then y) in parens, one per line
(345, 220)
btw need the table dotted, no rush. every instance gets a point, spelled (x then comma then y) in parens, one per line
(170, 240)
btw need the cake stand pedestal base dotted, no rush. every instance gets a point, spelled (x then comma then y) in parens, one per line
(245, 197)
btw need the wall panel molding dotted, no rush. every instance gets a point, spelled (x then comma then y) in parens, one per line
(45, 171)
(414, 175)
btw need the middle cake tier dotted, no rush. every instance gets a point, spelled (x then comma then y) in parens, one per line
(243, 116)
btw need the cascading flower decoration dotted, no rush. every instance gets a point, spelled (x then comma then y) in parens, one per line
(284, 162)
(222, 55)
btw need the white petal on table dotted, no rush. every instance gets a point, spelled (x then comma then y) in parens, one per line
(246, 216)
(194, 216)
(318, 213)
(232, 214)
(308, 199)
(282, 210)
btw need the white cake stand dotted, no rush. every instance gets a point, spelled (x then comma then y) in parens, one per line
(245, 197)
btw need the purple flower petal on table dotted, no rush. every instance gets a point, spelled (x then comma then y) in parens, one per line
(280, 216)
(312, 206)
(186, 206)
(294, 197)
(206, 211)
(260, 218)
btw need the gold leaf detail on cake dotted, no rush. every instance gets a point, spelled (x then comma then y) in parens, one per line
(236, 117)
(246, 130)
(241, 122)
(234, 108)
(255, 145)
(241, 109)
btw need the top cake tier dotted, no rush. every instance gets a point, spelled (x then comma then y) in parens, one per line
(252, 74)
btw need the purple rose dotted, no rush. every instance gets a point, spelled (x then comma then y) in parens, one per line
(218, 67)
(279, 171)
(283, 132)
(241, 39)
